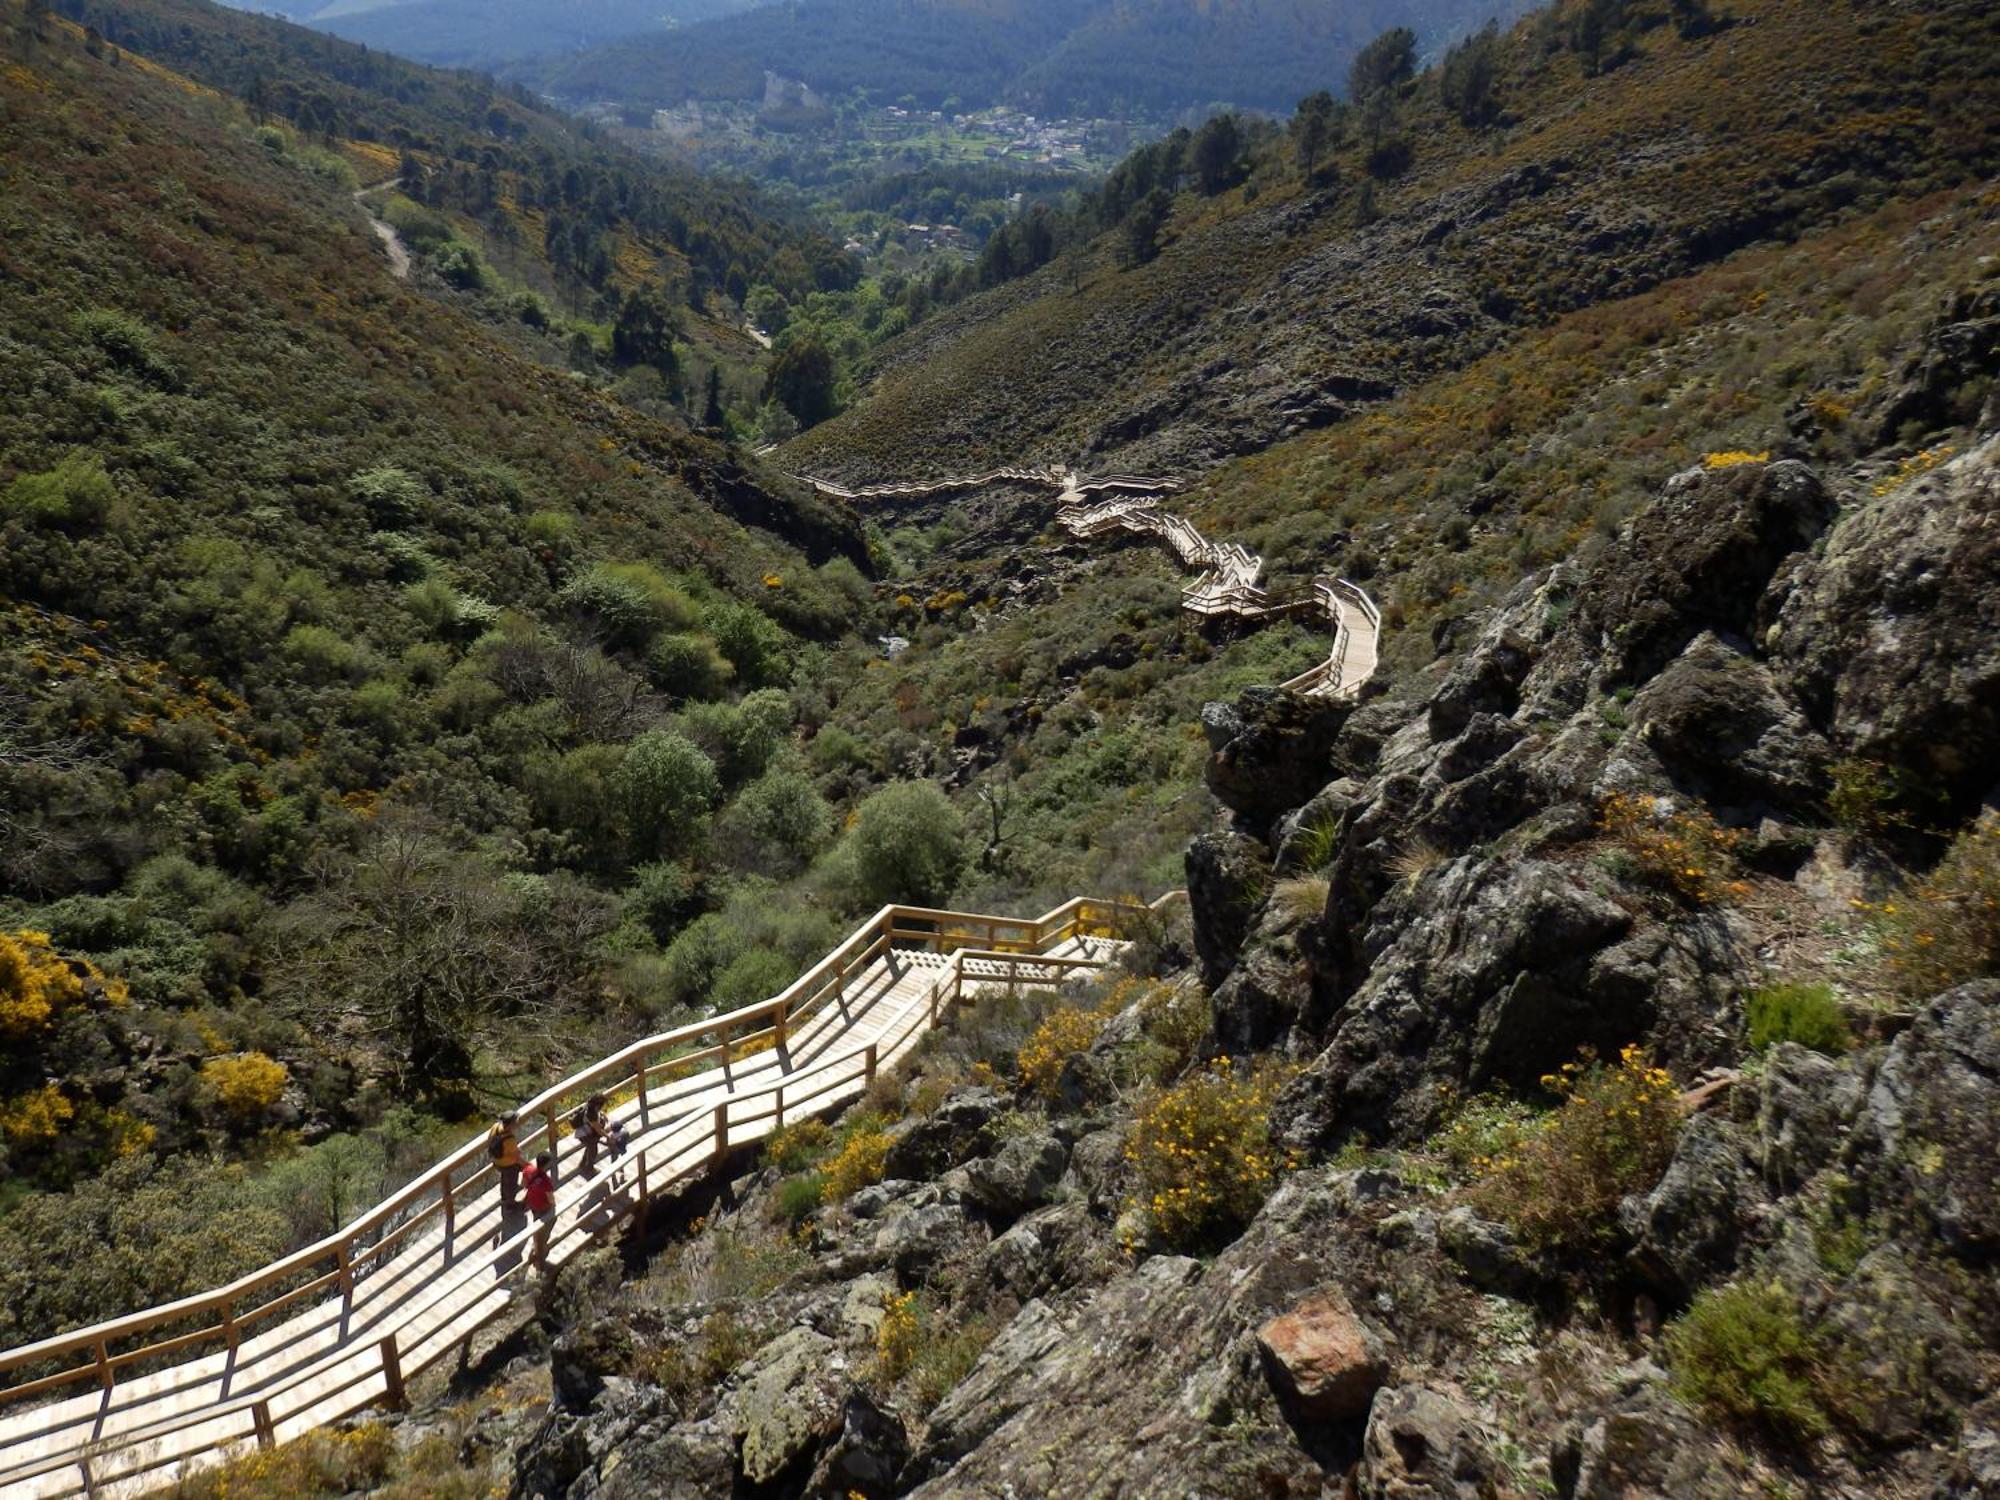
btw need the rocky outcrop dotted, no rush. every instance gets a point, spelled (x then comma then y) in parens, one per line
(1891, 637)
(1423, 1445)
(1228, 875)
(1270, 751)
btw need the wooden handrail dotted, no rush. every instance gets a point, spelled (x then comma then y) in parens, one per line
(829, 1076)
(343, 1246)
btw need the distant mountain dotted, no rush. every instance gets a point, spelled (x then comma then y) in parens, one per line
(489, 33)
(1054, 56)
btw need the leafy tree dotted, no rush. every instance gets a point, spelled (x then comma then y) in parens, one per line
(1217, 155)
(666, 787)
(1143, 225)
(643, 333)
(1312, 130)
(909, 845)
(1468, 80)
(1383, 65)
(801, 379)
(144, 1232)
(711, 410)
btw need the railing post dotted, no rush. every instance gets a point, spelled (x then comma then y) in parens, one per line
(392, 1375)
(645, 1111)
(722, 1127)
(868, 1064)
(229, 1332)
(260, 1417)
(345, 1262)
(450, 1206)
(644, 1191)
(778, 1120)
(778, 1024)
(105, 1374)
(549, 1118)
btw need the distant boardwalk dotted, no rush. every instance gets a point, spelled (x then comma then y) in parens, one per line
(1227, 584)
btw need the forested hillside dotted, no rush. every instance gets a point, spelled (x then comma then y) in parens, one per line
(1156, 58)
(340, 635)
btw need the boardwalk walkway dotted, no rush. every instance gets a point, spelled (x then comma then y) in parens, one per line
(1228, 571)
(125, 1406)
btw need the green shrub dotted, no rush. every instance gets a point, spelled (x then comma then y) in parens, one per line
(394, 497)
(793, 1148)
(800, 1196)
(666, 786)
(779, 820)
(128, 343)
(664, 897)
(324, 654)
(1743, 1352)
(630, 602)
(76, 490)
(1804, 1013)
(1945, 929)
(459, 265)
(688, 665)
(909, 845)
(755, 645)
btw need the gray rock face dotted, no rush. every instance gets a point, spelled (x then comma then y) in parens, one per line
(1696, 559)
(1647, 1444)
(1723, 730)
(1804, 1103)
(1693, 1227)
(1228, 875)
(1421, 1443)
(1489, 1255)
(787, 1402)
(865, 1459)
(1489, 980)
(954, 1132)
(1891, 638)
(1906, 1361)
(1019, 1177)
(1941, 384)
(1928, 1133)
(1277, 753)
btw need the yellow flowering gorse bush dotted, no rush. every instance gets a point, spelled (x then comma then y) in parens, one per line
(246, 1085)
(1202, 1154)
(37, 984)
(1681, 850)
(1558, 1184)
(1945, 928)
(861, 1160)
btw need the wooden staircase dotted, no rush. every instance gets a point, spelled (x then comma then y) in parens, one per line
(127, 1405)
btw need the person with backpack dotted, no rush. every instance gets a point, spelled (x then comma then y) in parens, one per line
(538, 1192)
(505, 1154)
(598, 1133)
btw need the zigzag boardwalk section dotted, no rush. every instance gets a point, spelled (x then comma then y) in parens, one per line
(345, 1324)
(1228, 571)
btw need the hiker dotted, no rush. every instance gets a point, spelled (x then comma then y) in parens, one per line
(538, 1192)
(505, 1154)
(598, 1133)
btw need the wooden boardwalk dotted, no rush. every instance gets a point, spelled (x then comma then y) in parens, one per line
(1228, 571)
(128, 1405)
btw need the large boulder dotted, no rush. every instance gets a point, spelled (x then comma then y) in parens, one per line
(1485, 975)
(1422, 1445)
(1323, 1361)
(1891, 637)
(1723, 730)
(1928, 1132)
(1698, 558)
(1943, 383)
(925, 1146)
(787, 1403)
(1020, 1176)
(1693, 1226)
(1804, 1103)
(1271, 751)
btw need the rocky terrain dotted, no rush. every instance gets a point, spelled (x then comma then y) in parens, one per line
(1417, 906)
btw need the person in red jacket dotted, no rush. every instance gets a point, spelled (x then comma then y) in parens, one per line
(538, 1192)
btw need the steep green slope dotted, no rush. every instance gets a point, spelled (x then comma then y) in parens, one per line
(323, 610)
